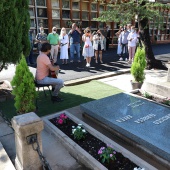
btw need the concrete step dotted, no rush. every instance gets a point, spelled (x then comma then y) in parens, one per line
(5, 162)
(159, 88)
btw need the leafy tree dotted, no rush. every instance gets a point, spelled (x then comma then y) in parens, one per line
(14, 26)
(24, 88)
(125, 11)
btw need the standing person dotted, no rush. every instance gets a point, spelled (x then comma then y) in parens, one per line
(88, 50)
(43, 67)
(64, 41)
(129, 28)
(53, 39)
(41, 38)
(74, 35)
(118, 43)
(124, 42)
(29, 59)
(132, 41)
(104, 32)
(107, 37)
(98, 45)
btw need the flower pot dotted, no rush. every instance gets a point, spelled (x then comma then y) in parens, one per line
(136, 85)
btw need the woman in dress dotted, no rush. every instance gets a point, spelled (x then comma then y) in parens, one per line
(98, 45)
(88, 51)
(64, 41)
(119, 49)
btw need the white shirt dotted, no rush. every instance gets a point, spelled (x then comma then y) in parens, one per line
(134, 39)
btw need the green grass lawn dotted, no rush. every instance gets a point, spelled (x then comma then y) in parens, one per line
(72, 95)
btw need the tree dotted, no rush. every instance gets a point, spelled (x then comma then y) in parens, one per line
(24, 88)
(14, 26)
(124, 12)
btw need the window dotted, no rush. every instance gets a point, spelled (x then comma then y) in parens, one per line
(55, 3)
(43, 23)
(55, 13)
(94, 7)
(65, 14)
(75, 5)
(56, 23)
(41, 3)
(93, 15)
(31, 12)
(65, 4)
(85, 15)
(30, 2)
(76, 15)
(32, 24)
(41, 12)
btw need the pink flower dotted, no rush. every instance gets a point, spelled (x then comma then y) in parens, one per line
(60, 121)
(114, 152)
(102, 148)
(62, 116)
(111, 155)
(65, 117)
(100, 152)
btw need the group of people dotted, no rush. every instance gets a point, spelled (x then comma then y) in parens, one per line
(72, 40)
(127, 42)
(50, 44)
(93, 46)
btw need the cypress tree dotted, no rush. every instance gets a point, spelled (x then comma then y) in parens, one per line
(24, 88)
(14, 27)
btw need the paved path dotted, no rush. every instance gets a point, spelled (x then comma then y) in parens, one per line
(111, 63)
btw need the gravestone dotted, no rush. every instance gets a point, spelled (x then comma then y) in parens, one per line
(140, 120)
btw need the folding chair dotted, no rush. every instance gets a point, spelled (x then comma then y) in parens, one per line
(42, 85)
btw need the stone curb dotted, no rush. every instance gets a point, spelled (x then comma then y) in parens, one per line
(5, 162)
(96, 77)
(80, 154)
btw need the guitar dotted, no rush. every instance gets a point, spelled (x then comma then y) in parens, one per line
(53, 74)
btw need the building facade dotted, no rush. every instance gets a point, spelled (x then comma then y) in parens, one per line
(62, 13)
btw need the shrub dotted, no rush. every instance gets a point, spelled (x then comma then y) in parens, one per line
(24, 88)
(147, 95)
(107, 153)
(78, 132)
(138, 66)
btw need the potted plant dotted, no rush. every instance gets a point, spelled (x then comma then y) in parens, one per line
(24, 88)
(137, 68)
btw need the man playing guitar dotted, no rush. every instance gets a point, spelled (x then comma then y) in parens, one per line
(44, 65)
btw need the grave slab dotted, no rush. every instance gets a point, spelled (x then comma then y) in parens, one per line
(142, 121)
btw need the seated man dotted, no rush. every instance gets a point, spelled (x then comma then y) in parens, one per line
(44, 66)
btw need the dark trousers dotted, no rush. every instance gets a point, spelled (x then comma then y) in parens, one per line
(124, 49)
(107, 43)
(29, 59)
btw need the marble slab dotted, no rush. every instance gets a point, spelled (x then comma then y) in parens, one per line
(140, 120)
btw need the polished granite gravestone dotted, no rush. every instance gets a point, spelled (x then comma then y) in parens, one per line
(140, 120)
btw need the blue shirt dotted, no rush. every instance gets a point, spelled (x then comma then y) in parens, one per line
(74, 37)
(123, 37)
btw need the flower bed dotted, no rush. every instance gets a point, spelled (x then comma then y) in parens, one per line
(99, 152)
(152, 97)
